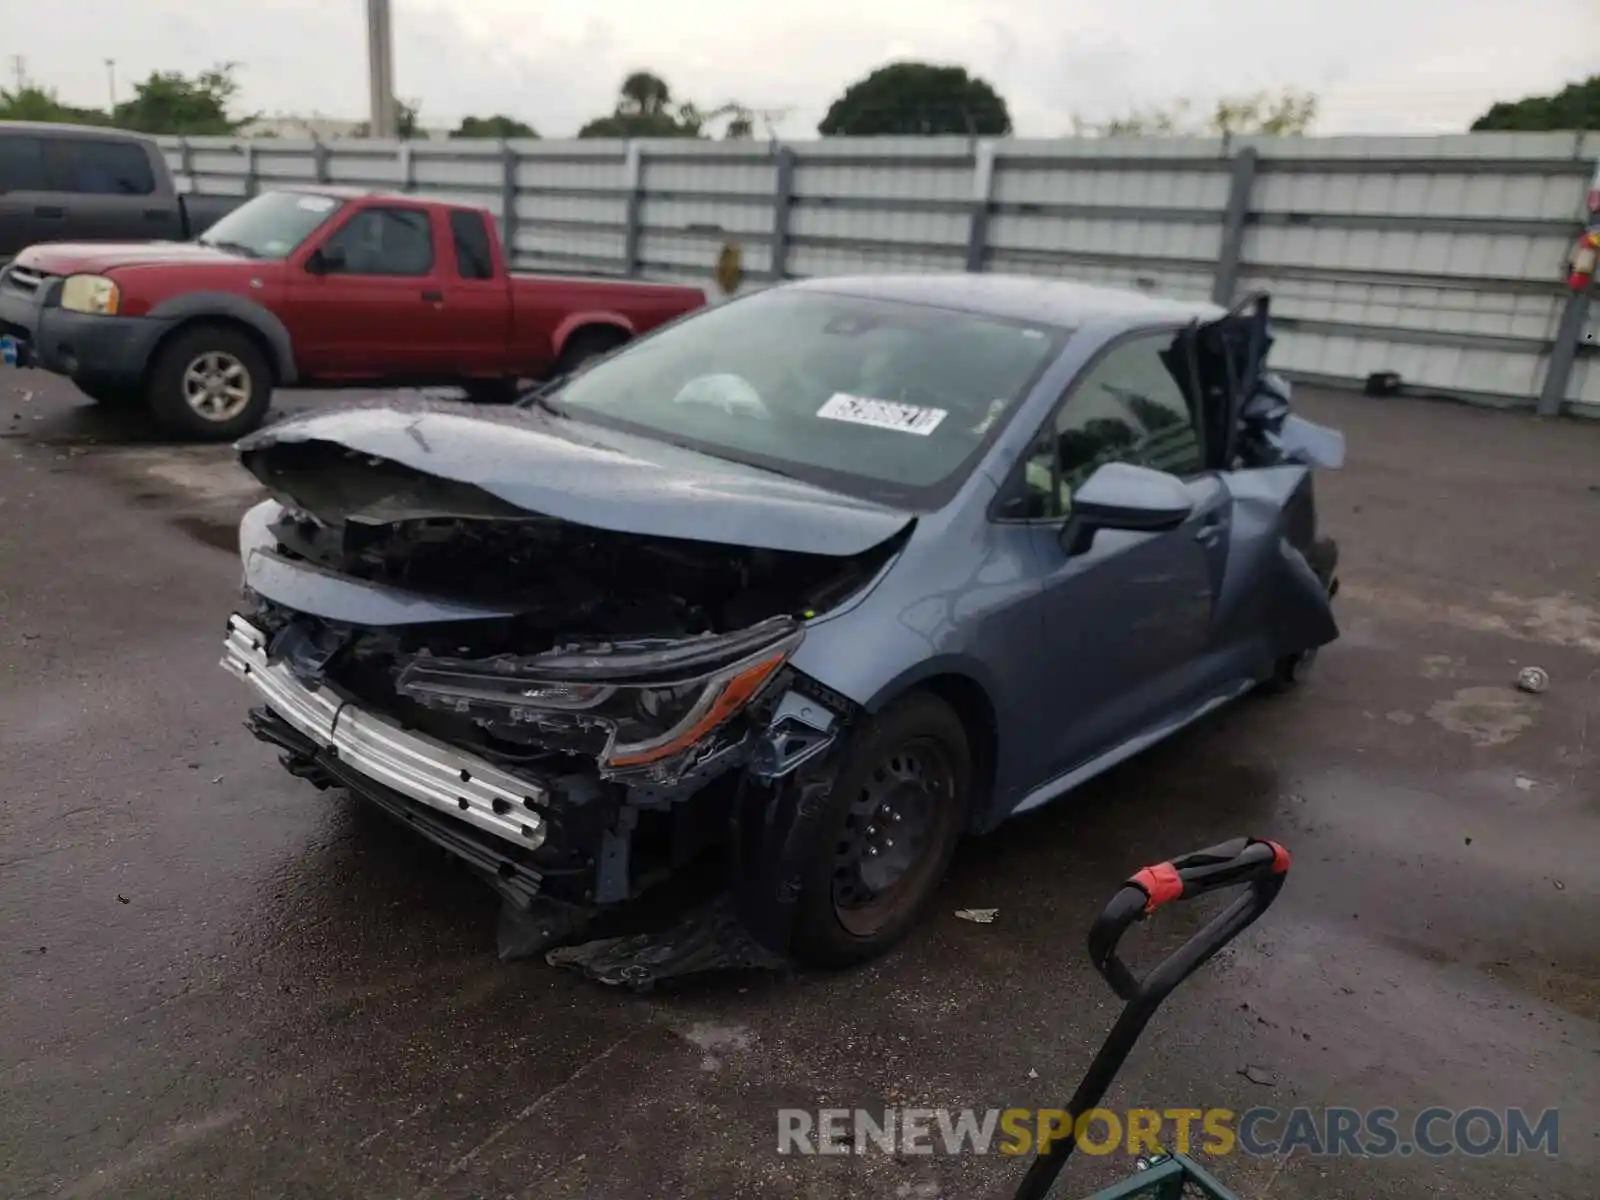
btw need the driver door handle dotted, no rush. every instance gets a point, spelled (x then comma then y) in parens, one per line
(433, 297)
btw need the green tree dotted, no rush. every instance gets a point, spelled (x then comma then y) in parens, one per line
(170, 102)
(644, 93)
(497, 126)
(645, 109)
(30, 103)
(917, 98)
(1281, 114)
(1576, 106)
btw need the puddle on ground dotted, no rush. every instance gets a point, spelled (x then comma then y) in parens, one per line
(1490, 716)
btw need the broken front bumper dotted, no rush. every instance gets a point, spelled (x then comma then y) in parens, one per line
(417, 767)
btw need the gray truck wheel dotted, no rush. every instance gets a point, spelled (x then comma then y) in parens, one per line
(210, 383)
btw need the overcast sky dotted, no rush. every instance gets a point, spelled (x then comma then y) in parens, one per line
(1379, 65)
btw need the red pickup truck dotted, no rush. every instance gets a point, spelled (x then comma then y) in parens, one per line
(314, 287)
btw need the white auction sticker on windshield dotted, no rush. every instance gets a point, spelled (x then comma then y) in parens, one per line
(317, 204)
(882, 414)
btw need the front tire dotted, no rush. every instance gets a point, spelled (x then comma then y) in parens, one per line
(210, 383)
(896, 812)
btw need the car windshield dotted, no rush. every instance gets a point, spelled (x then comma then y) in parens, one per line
(879, 399)
(271, 225)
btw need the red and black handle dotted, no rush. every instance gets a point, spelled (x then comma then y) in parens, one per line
(1261, 864)
(1249, 863)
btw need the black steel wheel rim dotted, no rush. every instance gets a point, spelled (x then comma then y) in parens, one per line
(889, 844)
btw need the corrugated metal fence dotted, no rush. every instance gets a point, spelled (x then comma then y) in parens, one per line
(1441, 259)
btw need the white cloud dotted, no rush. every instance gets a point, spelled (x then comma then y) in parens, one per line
(1389, 65)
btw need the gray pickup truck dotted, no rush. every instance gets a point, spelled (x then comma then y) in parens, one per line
(89, 184)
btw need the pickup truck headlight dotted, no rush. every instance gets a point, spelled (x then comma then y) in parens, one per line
(645, 722)
(90, 294)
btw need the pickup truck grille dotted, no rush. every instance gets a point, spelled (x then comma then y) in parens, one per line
(18, 279)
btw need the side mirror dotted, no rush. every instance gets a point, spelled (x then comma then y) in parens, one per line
(325, 261)
(1125, 496)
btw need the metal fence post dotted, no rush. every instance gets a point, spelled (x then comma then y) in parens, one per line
(252, 185)
(186, 161)
(1234, 219)
(319, 160)
(982, 201)
(509, 162)
(782, 203)
(633, 170)
(1569, 330)
(1558, 374)
(408, 173)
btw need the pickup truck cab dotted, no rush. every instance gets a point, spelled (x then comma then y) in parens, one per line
(311, 287)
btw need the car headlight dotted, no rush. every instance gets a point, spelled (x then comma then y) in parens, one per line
(664, 709)
(90, 294)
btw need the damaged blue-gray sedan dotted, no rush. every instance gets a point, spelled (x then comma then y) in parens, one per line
(827, 576)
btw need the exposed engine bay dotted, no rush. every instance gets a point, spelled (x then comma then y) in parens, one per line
(622, 679)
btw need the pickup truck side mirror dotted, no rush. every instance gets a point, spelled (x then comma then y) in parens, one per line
(325, 261)
(1123, 495)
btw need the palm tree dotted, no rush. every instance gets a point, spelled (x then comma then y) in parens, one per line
(644, 93)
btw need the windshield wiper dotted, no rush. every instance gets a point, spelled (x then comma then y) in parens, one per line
(238, 248)
(540, 396)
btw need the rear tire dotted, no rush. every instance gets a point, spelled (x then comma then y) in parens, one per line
(908, 776)
(587, 344)
(491, 391)
(210, 383)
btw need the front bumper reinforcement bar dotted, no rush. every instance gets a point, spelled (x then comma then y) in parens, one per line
(420, 768)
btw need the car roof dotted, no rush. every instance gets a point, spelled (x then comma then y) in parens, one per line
(348, 191)
(55, 129)
(1017, 297)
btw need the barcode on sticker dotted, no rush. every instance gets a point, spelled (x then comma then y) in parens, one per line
(881, 414)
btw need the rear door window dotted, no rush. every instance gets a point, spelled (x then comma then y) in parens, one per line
(470, 232)
(91, 167)
(21, 164)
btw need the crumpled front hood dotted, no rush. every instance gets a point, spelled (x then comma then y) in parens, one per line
(75, 258)
(557, 467)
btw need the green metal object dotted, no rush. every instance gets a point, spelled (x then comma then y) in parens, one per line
(1168, 1177)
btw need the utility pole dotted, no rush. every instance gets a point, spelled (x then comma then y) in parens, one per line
(111, 81)
(19, 68)
(380, 70)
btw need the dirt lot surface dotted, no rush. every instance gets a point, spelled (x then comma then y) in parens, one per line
(216, 981)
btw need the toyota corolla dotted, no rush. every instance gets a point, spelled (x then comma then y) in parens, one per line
(827, 576)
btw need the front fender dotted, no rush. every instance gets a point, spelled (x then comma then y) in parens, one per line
(200, 305)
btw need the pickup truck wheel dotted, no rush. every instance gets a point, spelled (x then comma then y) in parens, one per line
(492, 391)
(892, 822)
(584, 345)
(210, 383)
